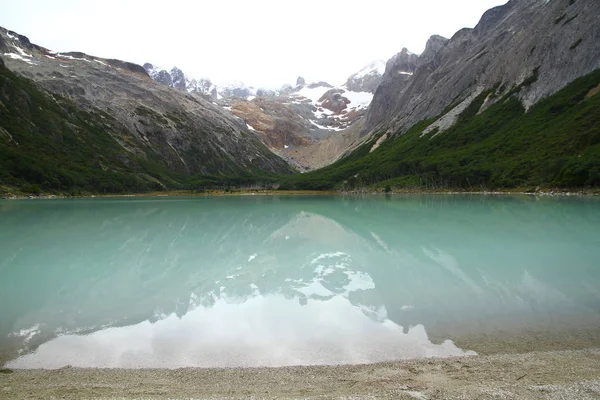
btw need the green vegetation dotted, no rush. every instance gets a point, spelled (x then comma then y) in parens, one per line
(49, 145)
(554, 144)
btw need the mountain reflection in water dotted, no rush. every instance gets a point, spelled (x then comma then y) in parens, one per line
(282, 281)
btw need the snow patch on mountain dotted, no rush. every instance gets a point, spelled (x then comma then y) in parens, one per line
(19, 57)
(358, 99)
(312, 94)
(374, 68)
(177, 79)
(334, 108)
(327, 107)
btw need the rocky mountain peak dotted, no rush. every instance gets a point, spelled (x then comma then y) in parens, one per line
(164, 77)
(178, 79)
(367, 79)
(300, 81)
(403, 63)
(432, 48)
(492, 17)
(530, 48)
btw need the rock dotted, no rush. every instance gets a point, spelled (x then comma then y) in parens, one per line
(183, 132)
(430, 54)
(549, 42)
(178, 78)
(399, 71)
(367, 79)
(334, 100)
(319, 84)
(300, 81)
(163, 77)
(131, 67)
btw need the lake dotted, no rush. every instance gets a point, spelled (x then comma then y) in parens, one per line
(273, 281)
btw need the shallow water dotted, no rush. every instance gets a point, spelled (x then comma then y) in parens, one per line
(249, 281)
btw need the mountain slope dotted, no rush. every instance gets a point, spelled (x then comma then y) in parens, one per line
(292, 121)
(46, 141)
(486, 108)
(556, 143)
(551, 41)
(367, 79)
(182, 133)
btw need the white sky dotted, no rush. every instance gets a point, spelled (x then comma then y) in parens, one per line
(260, 42)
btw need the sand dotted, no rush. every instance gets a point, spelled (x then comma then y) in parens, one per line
(569, 374)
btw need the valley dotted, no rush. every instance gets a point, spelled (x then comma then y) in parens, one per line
(510, 104)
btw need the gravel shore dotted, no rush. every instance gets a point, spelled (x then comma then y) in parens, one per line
(571, 374)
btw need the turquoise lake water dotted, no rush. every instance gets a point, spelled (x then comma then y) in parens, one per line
(253, 280)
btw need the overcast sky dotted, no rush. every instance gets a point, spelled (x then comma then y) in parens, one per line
(260, 42)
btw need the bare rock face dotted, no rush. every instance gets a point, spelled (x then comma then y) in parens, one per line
(546, 44)
(334, 100)
(178, 79)
(278, 124)
(300, 81)
(204, 86)
(403, 63)
(163, 77)
(367, 83)
(430, 56)
(319, 84)
(236, 92)
(367, 79)
(398, 75)
(184, 131)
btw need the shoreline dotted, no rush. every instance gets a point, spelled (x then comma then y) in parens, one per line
(244, 192)
(534, 375)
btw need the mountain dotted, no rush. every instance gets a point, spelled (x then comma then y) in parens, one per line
(367, 79)
(292, 120)
(80, 116)
(177, 79)
(511, 103)
(542, 44)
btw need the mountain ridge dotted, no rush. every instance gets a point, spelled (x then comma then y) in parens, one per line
(530, 31)
(176, 135)
(293, 119)
(458, 104)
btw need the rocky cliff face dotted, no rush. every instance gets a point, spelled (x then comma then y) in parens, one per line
(177, 79)
(397, 76)
(183, 131)
(530, 47)
(367, 79)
